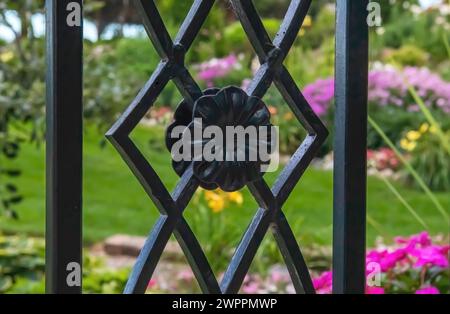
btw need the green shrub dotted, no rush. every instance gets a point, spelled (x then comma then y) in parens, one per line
(307, 65)
(21, 259)
(21, 102)
(22, 269)
(114, 73)
(428, 157)
(236, 38)
(291, 132)
(394, 121)
(407, 55)
(98, 279)
(322, 30)
(405, 28)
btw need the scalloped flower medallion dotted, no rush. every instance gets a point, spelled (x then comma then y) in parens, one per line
(228, 137)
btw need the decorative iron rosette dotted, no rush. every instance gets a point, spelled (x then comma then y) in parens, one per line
(228, 107)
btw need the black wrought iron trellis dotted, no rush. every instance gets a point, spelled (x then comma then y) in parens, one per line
(64, 147)
(350, 105)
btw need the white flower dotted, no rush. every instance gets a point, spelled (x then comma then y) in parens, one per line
(380, 30)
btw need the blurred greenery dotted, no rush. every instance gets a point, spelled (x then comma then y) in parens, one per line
(107, 211)
(22, 269)
(405, 28)
(395, 121)
(21, 259)
(407, 55)
(431, 160)
(115, 70)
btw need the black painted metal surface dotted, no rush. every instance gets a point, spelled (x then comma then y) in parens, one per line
(222, 108)
(349, 225)
(270, 200)
(64, 147)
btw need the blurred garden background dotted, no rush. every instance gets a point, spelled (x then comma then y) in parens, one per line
(408, 153)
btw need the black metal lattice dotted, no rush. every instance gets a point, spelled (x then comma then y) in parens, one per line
(270, 199)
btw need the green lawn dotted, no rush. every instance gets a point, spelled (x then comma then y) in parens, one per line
(114, 202)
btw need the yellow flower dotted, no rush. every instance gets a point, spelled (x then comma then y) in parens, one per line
(404, 143)
(424, 128)
(215, 201)
(288, 116)
(236, 197)
(217, 205)
(413, 135)
(308, 21)
(407, 145)
(211, 195)
(306, 24)
(6, 56)
(412, 146)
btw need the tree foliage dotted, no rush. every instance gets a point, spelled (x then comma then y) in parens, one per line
(21, 93)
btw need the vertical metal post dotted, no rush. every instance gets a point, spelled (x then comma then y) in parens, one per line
(64, 146)
(350, 147)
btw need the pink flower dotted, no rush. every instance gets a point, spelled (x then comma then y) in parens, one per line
(217, 68)
(433, 255)
(422, 239)
(323, 283)
(375, 256)
(388, 87)
(428, 290)
(417, 250)
(374, 290)
(384, 158)
(391, 260)
(185, 275)
(245, 84)
(320, 95)
(387, 260)
(251, 288)
(279, 277)
(151, 284)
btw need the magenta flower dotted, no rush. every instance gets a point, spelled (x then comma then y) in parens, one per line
(422, 239)
(428, 290)
(217, 68)
(391, 259)
(388, 87)
(432, 256)
(323, 283)
(387, 260)
(414, 251)
(375, 256)
(374, 290)
(320, 95)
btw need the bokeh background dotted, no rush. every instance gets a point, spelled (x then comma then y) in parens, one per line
(408, 146)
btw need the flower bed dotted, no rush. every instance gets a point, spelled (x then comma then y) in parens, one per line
(412, 265)
(415, 264)
(388, 87)
(382, 159)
